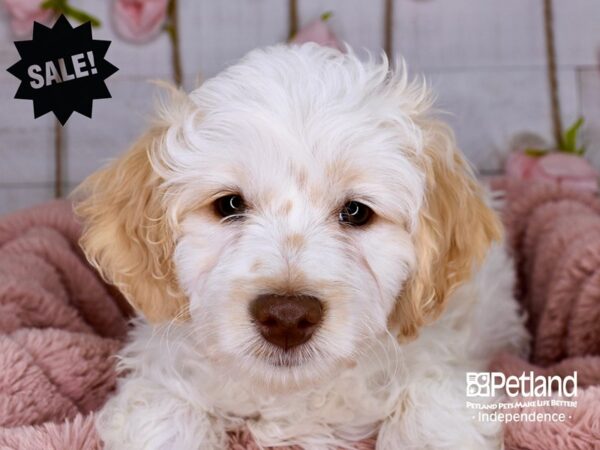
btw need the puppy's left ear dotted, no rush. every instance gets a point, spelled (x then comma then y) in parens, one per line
(455, 230)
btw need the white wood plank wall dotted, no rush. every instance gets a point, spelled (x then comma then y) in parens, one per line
(484, 58)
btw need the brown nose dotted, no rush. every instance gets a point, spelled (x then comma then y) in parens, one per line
(286, 321)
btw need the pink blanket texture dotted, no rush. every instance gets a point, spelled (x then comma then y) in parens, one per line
(60, 325)
(555, 237)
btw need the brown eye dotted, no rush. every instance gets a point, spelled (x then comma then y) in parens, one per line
(355, 213)
(230, 205)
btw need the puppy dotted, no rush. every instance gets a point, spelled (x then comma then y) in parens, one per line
(312, 259)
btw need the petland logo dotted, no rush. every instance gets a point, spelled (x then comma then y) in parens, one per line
(491, 384)
(531, 398)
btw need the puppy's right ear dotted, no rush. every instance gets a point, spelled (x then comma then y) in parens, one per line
(126, 234)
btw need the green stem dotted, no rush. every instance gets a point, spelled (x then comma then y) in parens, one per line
(173, 31)
(63, 7)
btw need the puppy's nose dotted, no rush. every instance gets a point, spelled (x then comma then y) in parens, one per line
(287, 321)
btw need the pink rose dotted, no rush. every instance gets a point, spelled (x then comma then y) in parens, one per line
(567, 170)
(519, 165)
(318, 32)
(561, 168)
(139, 20)
(24, 12)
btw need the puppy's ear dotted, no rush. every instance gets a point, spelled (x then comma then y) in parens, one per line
(454, 232)
(126, 234)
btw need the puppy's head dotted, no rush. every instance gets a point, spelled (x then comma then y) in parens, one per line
(289, 210)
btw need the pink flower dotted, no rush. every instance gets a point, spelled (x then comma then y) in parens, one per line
(561, 168)
(139, 20)
(519, 165)
(318, 32)
(567, 170)
(24, 12)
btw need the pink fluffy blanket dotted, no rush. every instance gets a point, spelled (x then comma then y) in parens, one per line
(555, 237)
(59, 327)
(60, 324)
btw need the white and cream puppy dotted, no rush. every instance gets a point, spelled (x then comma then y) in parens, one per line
(312, 258)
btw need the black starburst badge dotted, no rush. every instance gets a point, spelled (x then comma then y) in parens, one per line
(62, 69)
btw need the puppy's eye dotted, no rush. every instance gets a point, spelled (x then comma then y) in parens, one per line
(355, 213)
(230, 205)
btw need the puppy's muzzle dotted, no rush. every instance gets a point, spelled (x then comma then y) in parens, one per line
(287, 321)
